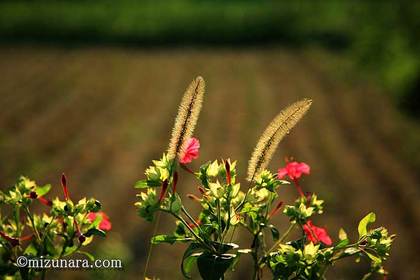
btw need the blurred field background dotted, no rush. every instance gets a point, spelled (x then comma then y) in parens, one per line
(91, 88)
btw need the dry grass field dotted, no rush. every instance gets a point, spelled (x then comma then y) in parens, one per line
(101, 115)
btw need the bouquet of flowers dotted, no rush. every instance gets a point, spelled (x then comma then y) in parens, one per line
(227, 207)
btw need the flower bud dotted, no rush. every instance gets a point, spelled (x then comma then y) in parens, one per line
(82, 238)
(33, 195)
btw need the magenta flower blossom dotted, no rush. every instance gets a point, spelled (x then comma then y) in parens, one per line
(316, 234)
(294, 170)
(189, 150)
(105, 223)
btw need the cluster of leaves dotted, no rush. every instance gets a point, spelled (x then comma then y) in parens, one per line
(299, 259)
(61, 231)
(304, 208)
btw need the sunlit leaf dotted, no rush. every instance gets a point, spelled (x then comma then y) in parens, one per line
(41, 191)
(171, 239)
(342, 235)
(368, 219)
(189, 259)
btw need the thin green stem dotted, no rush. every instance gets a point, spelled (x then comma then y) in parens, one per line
(38, 236)
(189, 216)
(229, 216)
(233, 234)
(198, 238)
(367, 276)
(282, 238)
(16, 213)
(149, 253)
(219, 219)
(256, 266)
(298, 187)
(184, 210)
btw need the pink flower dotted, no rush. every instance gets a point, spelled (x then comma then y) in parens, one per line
(105, 223)
(189, 150)
(316, 234)
(294, 170)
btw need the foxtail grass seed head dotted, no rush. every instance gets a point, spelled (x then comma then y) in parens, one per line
(273, 134)
(188, 113)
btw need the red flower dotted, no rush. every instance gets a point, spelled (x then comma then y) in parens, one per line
(41, 199)
(316, 234)
(45, 201)
(105, 223)
(294, 170)
(189, 150)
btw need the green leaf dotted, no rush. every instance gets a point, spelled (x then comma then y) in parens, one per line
(188, 264)
(142, 184)
(176, 203)
(193, 251)
(342, 235)
(70, 250)
(95, 231)
(41, 191)
(96, 222)
(368, 219)
(30, 250)
(50, 246)
(88, 255)
(171, 239)
(374, 258)
(343, 243)
(274, 232)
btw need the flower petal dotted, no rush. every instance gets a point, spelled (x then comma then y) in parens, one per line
(282, 172)
(189, 151)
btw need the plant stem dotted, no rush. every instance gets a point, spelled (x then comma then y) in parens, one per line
(298, 187)
(17, 219)
(219, 219)
(189, 216)
(38, 236)
(282, 238)
(256, 267)
(367, 276)
(233, 234)
(198, 238)
(149, 253)
(184, 210)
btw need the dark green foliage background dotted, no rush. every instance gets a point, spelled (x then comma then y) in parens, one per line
(381, 37)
